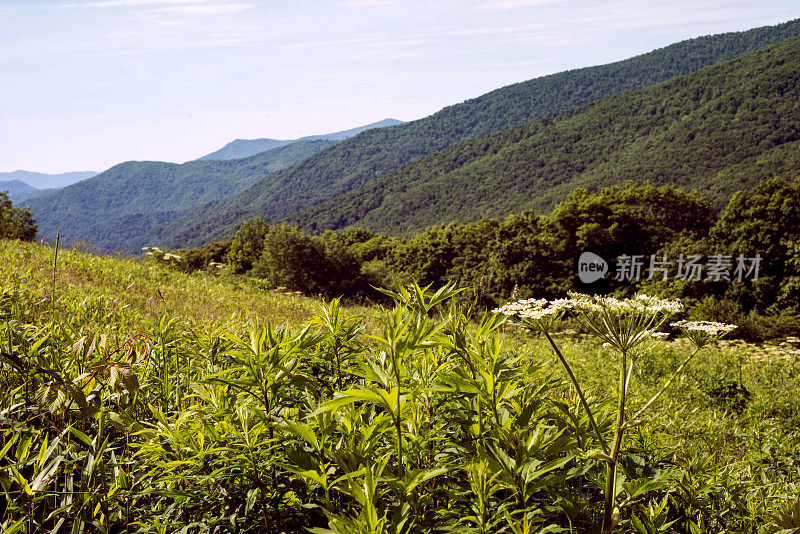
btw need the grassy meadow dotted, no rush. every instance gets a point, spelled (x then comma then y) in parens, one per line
(136, 398)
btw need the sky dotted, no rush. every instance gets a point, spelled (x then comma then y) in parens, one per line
(86, 84)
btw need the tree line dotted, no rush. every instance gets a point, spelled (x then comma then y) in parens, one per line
(534, 255)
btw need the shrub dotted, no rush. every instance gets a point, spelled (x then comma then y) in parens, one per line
(15, 223)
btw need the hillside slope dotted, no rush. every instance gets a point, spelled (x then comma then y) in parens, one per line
(361, 159)
(113, 209)
(242, 148)
(719, 130)
(16, 189)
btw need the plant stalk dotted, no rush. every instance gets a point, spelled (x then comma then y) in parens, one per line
(611, 470)
(665, 386)
(579, 391)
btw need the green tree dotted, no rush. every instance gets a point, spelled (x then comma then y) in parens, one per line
(766, 220)
(247, 245)
(292, 259)
(15, 223)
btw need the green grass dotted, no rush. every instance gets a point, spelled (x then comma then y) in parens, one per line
(141, 399)
(129, 294)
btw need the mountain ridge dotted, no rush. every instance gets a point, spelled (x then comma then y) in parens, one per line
(123, 202)
(39, 180)
(363, 158)
(719, 130)
(242, 148)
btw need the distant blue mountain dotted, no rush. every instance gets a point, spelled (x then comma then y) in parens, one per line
(16, 187)
(242, 148)
(38, 180)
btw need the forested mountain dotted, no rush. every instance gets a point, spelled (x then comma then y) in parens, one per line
(113, 209)
(19, 191)
(242, 148)
(16, 189)
(40, 180)
(719, 130)
(363, 158)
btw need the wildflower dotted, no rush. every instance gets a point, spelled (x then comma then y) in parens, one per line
(623, 323)
(659, 335)
(537, 314)
(702, 333)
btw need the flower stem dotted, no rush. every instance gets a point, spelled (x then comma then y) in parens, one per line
(665, 386)
(578, 389)
(611, 470)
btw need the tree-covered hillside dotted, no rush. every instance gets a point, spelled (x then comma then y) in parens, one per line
(16, 189)
(371, 154)
(113, 209)
(719, 130)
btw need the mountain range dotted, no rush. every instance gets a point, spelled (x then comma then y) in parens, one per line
(718, 131)
(521, 146)
(18, 190)
(361, 159)
(242, 148)
(114, 209)
(38, 180)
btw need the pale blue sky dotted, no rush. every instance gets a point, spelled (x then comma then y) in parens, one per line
(86, 84)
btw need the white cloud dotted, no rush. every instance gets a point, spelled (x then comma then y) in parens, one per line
(504, 5)
(312, 44)
(516, 64)
(176, 7)
(140, 3)
(553, 39)
(209, 9)
(228, 40)
(361, 4)
(497, 30)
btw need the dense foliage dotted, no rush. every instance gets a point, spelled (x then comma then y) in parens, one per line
(15, 223)
(530, 254)
(363, 159)
(112, 210)
(127, 407)
(719, 130)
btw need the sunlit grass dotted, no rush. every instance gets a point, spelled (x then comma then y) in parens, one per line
(416, 422)
(134, 293)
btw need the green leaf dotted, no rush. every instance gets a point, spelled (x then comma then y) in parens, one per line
(423, 476)
(81, 436)
(8, 445)
(304, 432)
(21, 480)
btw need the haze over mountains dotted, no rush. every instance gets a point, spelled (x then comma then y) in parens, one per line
(18, 190)
(24, 185)
(242, 148)
(518, 147)
(113, 209)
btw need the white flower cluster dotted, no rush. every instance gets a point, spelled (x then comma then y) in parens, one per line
(710, 328)
(641, 304)
(534, 308)
(543, 308)
(152, 251)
